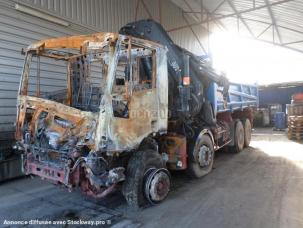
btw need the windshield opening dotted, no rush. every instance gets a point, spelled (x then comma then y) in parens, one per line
(69, 78)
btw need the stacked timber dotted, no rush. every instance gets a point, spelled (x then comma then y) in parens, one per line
(295, 109)
(295, 117)
(295, 127)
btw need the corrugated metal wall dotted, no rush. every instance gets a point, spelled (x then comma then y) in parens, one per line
(104, 15)
(110, 15)
(17, 30)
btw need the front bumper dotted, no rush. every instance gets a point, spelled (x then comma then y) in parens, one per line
(80, 175)
(52, 174)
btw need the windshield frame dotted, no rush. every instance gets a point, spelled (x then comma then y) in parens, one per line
(91, 45)
(94, 56)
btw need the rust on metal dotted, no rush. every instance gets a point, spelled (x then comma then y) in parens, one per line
(175, 147)
(73, 137)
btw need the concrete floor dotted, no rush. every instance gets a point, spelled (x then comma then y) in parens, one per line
(260, 187)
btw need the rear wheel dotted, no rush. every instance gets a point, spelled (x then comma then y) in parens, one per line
(247, 132)
(201, 157)
(238, 137)
(147, 179)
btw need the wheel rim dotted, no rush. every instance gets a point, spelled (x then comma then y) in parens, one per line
(157, 185)
(204, 156)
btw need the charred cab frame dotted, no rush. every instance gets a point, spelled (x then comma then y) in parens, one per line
(65, 142)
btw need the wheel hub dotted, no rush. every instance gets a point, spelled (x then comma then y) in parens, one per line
(204, 156)
(157, 185)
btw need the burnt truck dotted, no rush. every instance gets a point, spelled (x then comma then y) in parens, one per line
(123, 109)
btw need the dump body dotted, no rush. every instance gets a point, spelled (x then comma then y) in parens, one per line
(239, 97)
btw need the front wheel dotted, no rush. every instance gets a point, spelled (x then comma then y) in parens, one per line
(147, 179)
(201, 157)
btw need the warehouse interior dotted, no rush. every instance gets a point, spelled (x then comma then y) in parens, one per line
(239, 60)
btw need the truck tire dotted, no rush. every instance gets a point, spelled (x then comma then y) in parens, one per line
(147, 179)
(238, 137)
(247, 132)
(201, 157)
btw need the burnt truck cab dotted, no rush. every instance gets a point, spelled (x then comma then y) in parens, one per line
(85, 103)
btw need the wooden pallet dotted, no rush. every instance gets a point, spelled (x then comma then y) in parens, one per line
(295, 127)
(295, 109)
(295, 121)
(295, 118)
(295, 131)
(295, 135)
(298, 137)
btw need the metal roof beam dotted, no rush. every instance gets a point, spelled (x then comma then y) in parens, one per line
(201, 9)
(137, 8)
(146, 9)
(280, 45)
(216, 17)
(232, 14)
(294, 42)
(280, 26)
(240, 17)
(268, 27)
(194, 33)
(218, 6)
(160, 11)
(273, 19)
(207, 12)
(190, 8)
(212, 12)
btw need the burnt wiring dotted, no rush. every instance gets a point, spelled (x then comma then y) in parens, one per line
(84, 159)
